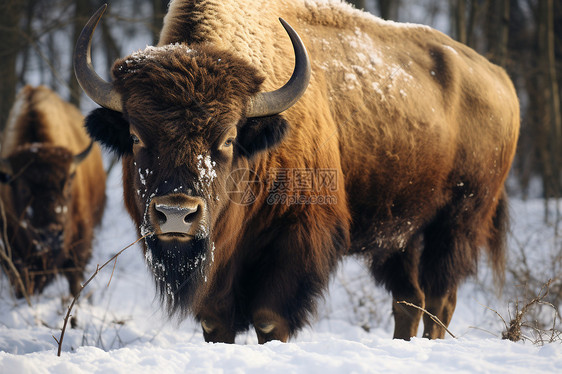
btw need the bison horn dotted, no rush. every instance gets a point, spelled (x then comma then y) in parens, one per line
(274, 102)
(96, 88)
(82, 155)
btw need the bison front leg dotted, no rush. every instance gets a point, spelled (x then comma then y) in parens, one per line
(270, 326)
(216, 331)
(284, 298)
(217, 327)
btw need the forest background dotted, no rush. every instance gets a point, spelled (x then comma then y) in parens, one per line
(524, 36)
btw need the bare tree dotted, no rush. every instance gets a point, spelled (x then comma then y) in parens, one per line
(502, 32)
(159, 8)
(551, 120)
(11, 12)
(82, 11)
(458, 19)
(389, 8)
(359, 4)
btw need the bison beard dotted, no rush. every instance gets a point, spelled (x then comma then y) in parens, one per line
(178, 268)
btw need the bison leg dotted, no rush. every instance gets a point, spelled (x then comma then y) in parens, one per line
(399, 273)
(406, 318)
(452, 243)
(283, 299)
(442, 307)
(217, 323)
(270, 326)
(215, 331)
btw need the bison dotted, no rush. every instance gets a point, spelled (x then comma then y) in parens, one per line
(388, 141)
(52, 191)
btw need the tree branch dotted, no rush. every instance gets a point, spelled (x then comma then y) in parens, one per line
(98, 269)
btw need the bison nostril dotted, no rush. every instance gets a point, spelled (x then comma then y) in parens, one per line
(176, 218)
(161, 217)
(190, 216)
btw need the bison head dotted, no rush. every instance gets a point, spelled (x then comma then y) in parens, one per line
(184, 117)
(38, 178)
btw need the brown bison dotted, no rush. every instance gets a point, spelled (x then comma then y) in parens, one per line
(53, 190)
(398, 150)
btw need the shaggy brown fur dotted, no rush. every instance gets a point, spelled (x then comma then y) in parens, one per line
(417, 131)
(51, 204)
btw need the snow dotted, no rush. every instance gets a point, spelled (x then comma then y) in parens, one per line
(122, 327)
(152, 52)
(454, 51)
(206, 168)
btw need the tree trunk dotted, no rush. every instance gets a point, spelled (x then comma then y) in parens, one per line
(389, 9)
(82, 12)
(159, 8)
(11, 12)
(460, 20)
(503, 33)
(548, 59)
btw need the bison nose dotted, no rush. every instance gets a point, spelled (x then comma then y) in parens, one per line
(177, 214)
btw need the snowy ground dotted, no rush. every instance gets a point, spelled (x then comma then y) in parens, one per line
(122, 328)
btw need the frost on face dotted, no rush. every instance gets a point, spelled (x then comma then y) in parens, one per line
(143, 175)
(206, 169)
(145, 228)
(207, 173)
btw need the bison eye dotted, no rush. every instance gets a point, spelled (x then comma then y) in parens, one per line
(228, 142)
(135, 139)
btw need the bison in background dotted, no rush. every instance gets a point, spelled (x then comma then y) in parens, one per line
(390, 141)
(52, 191)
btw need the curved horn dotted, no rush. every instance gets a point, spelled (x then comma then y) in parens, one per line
(274, 102)
(96, 88)
(82, 155)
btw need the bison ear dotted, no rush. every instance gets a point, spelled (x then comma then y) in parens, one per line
(261, 133)
(110, 129)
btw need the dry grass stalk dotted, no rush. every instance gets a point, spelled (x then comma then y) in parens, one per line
(433, 317)
(518, 322)
(6, 256)
(98, 269)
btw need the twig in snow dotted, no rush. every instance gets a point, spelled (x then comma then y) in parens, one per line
(433, 317)
(6, 255)
(513, 332)
(98, 269)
